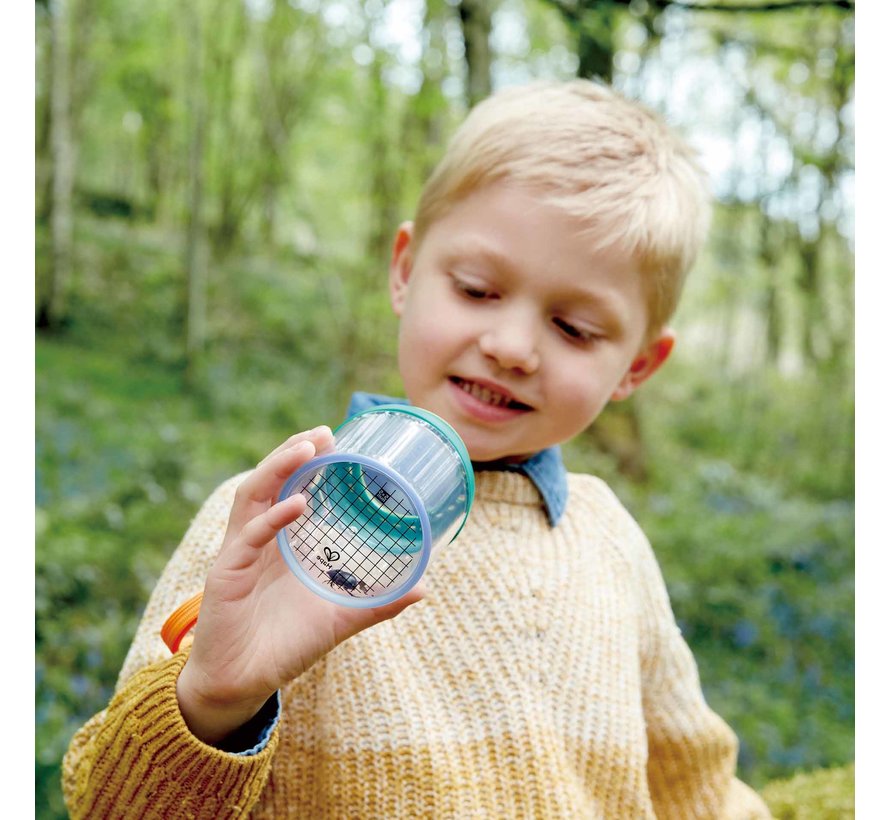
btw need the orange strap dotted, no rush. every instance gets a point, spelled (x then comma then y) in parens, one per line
(177, 626)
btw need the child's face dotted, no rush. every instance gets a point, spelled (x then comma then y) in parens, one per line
(512, 329)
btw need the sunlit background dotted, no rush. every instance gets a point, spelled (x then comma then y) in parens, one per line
(217, 187)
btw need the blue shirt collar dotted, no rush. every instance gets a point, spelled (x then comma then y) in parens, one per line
(545, 469)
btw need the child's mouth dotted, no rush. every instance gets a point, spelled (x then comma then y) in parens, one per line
(487, 396)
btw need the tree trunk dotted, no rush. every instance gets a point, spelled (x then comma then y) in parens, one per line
(385, 193)
(840, 331)
(475, 21)
(42, 147)
(811, 293)
(423, 127)
(618, 431)
(224, 227)
(596, 47)
(195, 260)
(769, 253)
(51, 308)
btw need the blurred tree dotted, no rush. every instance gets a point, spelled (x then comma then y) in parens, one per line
(383, 162)
(148, 89)
(51, 305)
(195, 252)
(228, 149)
(266, 60)
(798, 87)
(43, 112)
(596, 41)
(73, 21)
(773, 239)
(475, 19)
(595, 25)
(427, 111)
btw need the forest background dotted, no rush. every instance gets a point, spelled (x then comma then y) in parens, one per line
(216, 190)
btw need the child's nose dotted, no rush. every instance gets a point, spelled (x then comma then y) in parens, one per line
(512, 345)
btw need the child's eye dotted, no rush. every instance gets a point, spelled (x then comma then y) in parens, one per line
(573, 332)
(472, 291)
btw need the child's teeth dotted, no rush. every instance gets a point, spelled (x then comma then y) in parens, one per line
(484, 394)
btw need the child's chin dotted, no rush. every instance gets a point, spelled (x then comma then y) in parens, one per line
(482, 455)
(479, 454)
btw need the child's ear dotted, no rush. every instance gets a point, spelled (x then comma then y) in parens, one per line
(651, 356)
(400, 266)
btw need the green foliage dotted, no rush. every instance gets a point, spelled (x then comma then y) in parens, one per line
(761, 584)
(105, 468)
(823, 795)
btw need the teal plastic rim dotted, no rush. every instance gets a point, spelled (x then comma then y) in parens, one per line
(444, 429)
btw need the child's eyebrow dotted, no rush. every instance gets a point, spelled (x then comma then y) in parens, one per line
(474, 248)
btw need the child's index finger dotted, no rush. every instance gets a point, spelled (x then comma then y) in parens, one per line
(317, 436)
(264, 483)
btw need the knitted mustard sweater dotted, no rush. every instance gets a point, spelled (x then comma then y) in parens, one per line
(543, 676)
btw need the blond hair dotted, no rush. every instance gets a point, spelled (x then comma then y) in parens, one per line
(607, 161)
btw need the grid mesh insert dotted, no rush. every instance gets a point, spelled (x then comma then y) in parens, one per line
(361, 534)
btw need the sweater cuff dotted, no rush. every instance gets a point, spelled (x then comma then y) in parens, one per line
(254, 735)
(146, 754)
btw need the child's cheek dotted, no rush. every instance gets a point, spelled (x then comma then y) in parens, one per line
(579, 402)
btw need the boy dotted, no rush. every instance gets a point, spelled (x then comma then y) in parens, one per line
(537, 671)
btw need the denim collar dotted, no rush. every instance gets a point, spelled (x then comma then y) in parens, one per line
(545, 469)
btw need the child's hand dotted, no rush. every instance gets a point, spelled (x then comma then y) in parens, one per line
(259, 626)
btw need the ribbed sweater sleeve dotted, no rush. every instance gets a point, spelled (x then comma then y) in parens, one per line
(137, 758)
(692, 751)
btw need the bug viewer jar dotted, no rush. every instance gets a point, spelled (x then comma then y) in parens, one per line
(397, 483)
